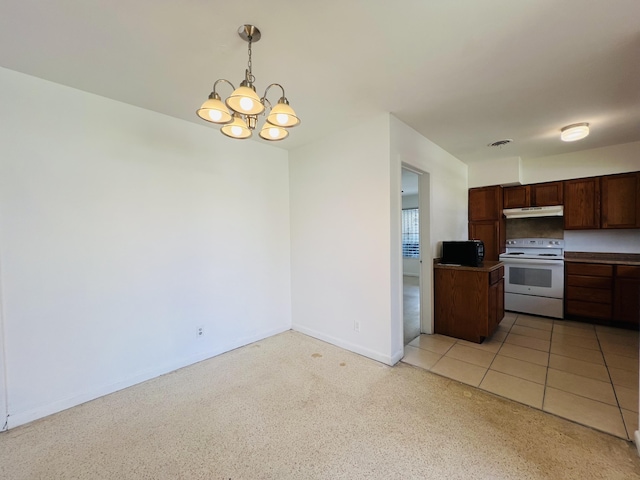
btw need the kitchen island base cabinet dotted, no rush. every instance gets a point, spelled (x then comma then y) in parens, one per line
(469, 301)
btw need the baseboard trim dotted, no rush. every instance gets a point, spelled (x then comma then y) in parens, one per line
(352, 347)
(396, 357)
(21, 418)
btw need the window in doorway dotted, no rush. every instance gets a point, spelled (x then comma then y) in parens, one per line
(410, 233)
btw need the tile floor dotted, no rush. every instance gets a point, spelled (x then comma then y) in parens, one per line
(584, 373)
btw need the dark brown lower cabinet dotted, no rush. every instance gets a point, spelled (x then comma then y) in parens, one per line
(469, 301)
(607, 292)
(626, 294)
(588, 289)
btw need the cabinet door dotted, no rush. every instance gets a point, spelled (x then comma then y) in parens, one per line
(621, 201)
(496, 304)
(547, 194)
(460, 303)
(490, 233)
(485, 203)
(626, 294)
(516, 197)
(582, 204)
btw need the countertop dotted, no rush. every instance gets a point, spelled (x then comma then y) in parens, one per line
(610, 258)
(487, 266)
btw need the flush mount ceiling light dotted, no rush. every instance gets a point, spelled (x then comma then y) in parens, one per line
(574, 132)
(239, 113)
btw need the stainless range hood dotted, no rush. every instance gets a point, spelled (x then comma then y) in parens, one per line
(533, 212)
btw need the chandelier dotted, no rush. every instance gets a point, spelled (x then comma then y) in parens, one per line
(239, 113)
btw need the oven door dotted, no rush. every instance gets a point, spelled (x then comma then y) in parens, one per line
(537, 277)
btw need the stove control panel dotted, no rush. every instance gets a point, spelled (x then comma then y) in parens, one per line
(536, 242)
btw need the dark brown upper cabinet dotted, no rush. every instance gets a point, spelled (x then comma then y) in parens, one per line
(485, 203)
(535, 195)
(547, 194)
(582, 204)
(621, 201)
(517, 197)
(486, 222)
(492, 233)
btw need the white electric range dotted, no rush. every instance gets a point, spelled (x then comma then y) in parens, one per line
(534, 276)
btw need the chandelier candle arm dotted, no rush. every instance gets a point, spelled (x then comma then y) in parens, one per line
(239, 112)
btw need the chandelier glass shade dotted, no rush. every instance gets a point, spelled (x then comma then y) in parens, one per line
(238, 114)
(273, 133)
(213, 110)
(237, 128)
(283, 115)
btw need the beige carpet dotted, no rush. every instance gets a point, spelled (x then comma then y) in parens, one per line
(292, 407)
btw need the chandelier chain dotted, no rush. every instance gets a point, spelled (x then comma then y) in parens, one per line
(250, 77)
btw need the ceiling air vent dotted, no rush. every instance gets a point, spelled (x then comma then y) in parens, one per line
(500, 143)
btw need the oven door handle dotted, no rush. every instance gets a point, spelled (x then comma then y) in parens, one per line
(531, 261)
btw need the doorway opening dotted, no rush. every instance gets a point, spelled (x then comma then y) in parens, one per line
(417, 268)
(411, 263)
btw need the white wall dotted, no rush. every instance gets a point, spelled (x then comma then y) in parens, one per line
(121, 231)
(501, 171)
(586, 163)
(444, 209)
(3, 379)
(609, 241)
(340, 240)
(448, 195)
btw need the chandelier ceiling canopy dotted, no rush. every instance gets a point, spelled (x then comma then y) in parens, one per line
(239, 113)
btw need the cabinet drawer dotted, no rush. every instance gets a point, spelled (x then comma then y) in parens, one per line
(589, 294)
(589, 309)
(496, 275)
(627, 271)
(589, 282)
(595, 269)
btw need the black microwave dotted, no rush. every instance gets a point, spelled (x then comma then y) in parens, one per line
(469, 253)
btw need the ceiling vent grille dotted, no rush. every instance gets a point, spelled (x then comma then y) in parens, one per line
(500, 143)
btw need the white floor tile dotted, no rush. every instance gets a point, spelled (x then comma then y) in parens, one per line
(584, 373)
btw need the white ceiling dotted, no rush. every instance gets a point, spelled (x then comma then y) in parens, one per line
(463, 73)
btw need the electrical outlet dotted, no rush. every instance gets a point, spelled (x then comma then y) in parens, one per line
(356, 326)
(200, 331)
